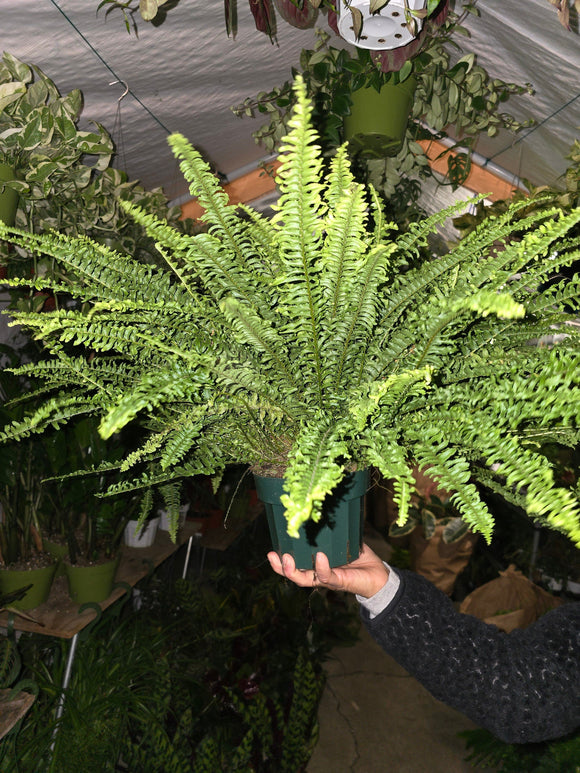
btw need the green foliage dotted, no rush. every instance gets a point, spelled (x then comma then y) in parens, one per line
(64, 176)
(560, 756)
(428, 514)
(220, 675)
(566, 196)
(40, 497)
(454, 97)
(304, 342)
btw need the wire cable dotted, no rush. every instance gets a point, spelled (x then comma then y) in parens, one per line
(109, 68)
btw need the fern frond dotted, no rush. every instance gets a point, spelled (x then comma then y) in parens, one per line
(313, 471)
(300, 237)
(383, 452)
(453, 472)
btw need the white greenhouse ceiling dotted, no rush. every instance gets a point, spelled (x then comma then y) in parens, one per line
(185, 74)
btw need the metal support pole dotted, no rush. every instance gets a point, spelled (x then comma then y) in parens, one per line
(65, 683)
(188, 554)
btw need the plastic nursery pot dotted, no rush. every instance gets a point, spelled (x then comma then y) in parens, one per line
(143, 538)
(59, 552)
(8, 196)
(385, 29)
(378, 120)
(164, 523)
(91, 583)
(41, 580)
(338, 533)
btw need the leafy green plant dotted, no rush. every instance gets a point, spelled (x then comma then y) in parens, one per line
(566, 196)
(64, 176)
(455, 98)
(90, 525)
(39, 136)
(302, 344)
(559, 756)
(23, 467)
(427, 515)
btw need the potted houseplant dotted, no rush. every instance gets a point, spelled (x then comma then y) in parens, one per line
(454, 97)
(319, 343)
(87, 527)
(23, 562)
(62, 177)
(39, 139)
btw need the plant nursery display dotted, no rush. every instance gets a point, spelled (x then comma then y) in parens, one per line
(437, 94)
(299, 13)
(222, 674)
(62, 177)
(320, 343)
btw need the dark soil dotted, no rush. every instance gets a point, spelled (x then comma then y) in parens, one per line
(38, 561)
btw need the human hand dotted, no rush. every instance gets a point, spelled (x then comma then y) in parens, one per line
(364, 576)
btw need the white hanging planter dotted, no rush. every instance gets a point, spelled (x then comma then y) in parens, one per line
(383, 30)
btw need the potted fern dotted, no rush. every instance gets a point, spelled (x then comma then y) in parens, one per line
(316, 344)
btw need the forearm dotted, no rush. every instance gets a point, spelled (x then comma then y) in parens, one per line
(523, 686)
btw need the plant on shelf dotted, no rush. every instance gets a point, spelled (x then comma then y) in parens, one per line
(452, 99)
(566, 196)
(22, 469)
(90, 525)
(63, 176)
(319, 342)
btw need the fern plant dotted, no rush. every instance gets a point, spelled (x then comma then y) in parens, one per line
(319, 341)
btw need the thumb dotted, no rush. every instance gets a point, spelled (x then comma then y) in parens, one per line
(323, 570)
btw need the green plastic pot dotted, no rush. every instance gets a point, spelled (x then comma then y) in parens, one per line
(338, 533)
(378, 120)
(8, 197)
(91, 583)
(41, 579)
(59, 552)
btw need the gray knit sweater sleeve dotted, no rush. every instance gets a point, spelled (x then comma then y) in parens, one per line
(523, 686)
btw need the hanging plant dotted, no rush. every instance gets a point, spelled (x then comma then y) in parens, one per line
(300, 16)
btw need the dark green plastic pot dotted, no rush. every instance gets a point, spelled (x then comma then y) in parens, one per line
(378, 120)
(41, 579)
(8, 197)
(338, 533)
(91, 583)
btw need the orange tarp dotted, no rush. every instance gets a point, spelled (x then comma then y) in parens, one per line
(259, 182)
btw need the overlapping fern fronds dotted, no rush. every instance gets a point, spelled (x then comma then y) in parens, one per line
(300, 342)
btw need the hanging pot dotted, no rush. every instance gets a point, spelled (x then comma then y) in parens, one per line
(91, 583)
(392, 59)
(378, 120)
(40, 579)
(301, 18)
(338, 533)
(383, 30)
(8, 196)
